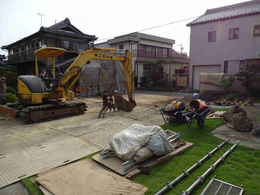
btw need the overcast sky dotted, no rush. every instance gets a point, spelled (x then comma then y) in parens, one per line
(105, 19)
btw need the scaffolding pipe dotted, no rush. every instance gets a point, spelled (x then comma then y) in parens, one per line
(187, 172)
(201, 179)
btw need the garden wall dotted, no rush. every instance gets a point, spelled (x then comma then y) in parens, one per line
(211, 83)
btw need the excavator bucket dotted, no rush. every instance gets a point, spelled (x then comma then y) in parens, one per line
(123, 104)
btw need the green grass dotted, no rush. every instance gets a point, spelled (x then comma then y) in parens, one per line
(257, 100)
(242, 167)
(31, 186)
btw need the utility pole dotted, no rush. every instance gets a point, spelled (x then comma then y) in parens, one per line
(181, 47)
(41, 15)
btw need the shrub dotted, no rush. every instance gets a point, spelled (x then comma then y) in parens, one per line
(227, 82)
(11, 90)
(10, 97)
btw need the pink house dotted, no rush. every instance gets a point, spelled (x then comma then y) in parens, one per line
(224, 39)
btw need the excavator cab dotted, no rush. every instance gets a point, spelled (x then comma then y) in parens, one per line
(34, 89)
(48, 73)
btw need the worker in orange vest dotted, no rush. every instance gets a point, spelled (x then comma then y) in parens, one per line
(200, 110)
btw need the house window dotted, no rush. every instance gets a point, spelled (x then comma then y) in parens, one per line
(256, 31)
(121, 46)
(233, 33)
(66, 44)
(148, 51)
(40, 44)
(159, 52)
(225, 66)
(212, 35)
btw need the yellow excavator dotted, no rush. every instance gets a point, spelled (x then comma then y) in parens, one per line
(52, 97)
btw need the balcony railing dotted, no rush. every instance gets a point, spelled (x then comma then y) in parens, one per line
(28, 55)
(158, 54)
(23, 56)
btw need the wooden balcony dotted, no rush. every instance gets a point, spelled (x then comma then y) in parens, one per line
(21, 57)
(29, 56)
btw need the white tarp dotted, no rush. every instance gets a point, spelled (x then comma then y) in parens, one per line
(127, 142)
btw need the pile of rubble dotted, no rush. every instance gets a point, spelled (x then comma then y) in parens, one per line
(238, 119)
(230, 102)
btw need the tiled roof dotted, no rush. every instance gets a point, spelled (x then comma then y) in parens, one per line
(63, 28)
(228, 12)
(64, 24)
(136, 36)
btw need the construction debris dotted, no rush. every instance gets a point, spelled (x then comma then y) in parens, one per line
(238, 119)
(137, 144)
(217, 114)
(238, 102)
(218, 187)
(256, 131)
(129, 141)
(117, 165)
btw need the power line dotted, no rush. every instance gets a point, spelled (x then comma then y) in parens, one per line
(157, 26)
(167, 24)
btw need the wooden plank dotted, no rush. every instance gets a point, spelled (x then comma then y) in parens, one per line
(156, 161)
(87, 177)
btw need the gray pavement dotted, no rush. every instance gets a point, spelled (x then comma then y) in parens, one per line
(14, 189)
(30, 149)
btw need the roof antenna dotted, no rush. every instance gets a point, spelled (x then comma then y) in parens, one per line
(41, 15)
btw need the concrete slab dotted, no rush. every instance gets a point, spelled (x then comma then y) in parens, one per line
(14, 189)
(27, 162)
(246, 139)
(85, 177)
(103, 134)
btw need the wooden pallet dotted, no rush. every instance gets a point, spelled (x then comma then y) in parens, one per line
(115, 164)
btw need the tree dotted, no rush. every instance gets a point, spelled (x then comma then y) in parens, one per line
(227, 82)
(247, 75)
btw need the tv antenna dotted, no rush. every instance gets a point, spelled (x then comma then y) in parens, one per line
(41, 15)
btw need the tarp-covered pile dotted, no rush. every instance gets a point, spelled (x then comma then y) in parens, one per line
(139, 142)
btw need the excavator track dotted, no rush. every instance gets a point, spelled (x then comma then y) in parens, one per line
(51, 111)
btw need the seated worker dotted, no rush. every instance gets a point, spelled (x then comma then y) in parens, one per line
(200, 110)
